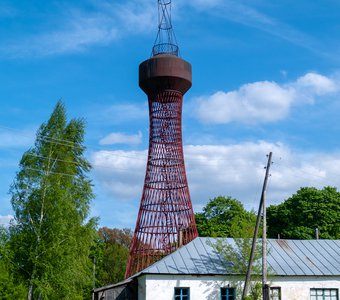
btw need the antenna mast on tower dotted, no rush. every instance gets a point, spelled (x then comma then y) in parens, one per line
(165, 42)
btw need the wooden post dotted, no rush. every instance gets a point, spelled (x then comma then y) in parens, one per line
(258, 221)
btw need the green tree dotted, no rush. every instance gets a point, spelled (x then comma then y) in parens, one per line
(10, 287)
(236, 254)
(51, 237)
(225, 217)
(308, 209)
(112, 254)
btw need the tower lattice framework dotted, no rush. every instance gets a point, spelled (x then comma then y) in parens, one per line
(165, 219)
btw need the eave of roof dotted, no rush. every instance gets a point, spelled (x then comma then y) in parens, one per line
(111, 286)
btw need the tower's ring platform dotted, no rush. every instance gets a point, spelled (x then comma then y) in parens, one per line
(165, 72)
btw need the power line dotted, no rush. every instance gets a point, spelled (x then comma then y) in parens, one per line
(202, 161)
(47, 139)
(92, 147)
(51, 172)
(54, 159)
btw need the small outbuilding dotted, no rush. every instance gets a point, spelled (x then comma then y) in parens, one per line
(299, 269)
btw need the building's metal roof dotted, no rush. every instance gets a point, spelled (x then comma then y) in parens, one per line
(285, 258)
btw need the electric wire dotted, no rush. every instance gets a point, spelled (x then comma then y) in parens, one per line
(93, 148)
(50, 172)
(202, 161)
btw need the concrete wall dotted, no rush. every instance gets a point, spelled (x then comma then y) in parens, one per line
(152, 287)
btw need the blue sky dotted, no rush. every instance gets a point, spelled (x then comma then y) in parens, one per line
(265, 78)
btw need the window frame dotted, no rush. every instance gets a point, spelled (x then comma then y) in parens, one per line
(277, 288)
(323, 293)
(181, 296)
(227, 296)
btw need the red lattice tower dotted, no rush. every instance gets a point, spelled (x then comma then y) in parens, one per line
(165, 219)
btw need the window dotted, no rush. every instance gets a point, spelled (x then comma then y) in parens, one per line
(228, 293)
(182, 293)
(275, 293)
(324, 294)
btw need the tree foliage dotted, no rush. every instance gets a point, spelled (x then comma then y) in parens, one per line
(10, 287)
(112, 254)
(237, 254)
(225, 217)
(308, 209)
(51, 237)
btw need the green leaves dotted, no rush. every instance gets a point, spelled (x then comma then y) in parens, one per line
(51, 194)
(225, 217)
(112, 253)
(308, 209)
(236, 254)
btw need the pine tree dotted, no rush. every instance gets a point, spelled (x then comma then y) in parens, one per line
(51, 194)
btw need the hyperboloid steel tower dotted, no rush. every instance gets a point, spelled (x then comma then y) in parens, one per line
(165, 219)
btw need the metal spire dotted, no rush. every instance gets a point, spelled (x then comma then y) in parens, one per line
(165, 42)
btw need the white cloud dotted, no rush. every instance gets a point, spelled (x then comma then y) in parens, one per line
(314, 84)
(235, 170)
(120, 173)
(5, 220)
(262, 101)
(121, 138)
(319, 83)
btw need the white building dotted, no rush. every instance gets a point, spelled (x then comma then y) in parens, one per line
(301, 270)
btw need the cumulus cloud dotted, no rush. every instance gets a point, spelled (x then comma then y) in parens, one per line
(260, 101)
(312, 85)
(235, 170)
(121, 138)
(319, 84)
(263, 101)
(120, 173)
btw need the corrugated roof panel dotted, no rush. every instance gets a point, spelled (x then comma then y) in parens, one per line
(199, 256)
(274, 259)
(214, 263)
(286, 257)
(178, 265)
(162, 267)
(305, 265)
(188, 259)
(334, 245)
(329, 248)
(317, 257)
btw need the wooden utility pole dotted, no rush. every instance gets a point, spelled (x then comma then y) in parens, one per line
(257, 226)
(265, 287)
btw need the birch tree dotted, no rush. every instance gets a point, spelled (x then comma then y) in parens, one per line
(51, 194)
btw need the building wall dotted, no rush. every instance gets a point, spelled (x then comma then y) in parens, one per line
(152, 287)
(125, 291)
(298, 288)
